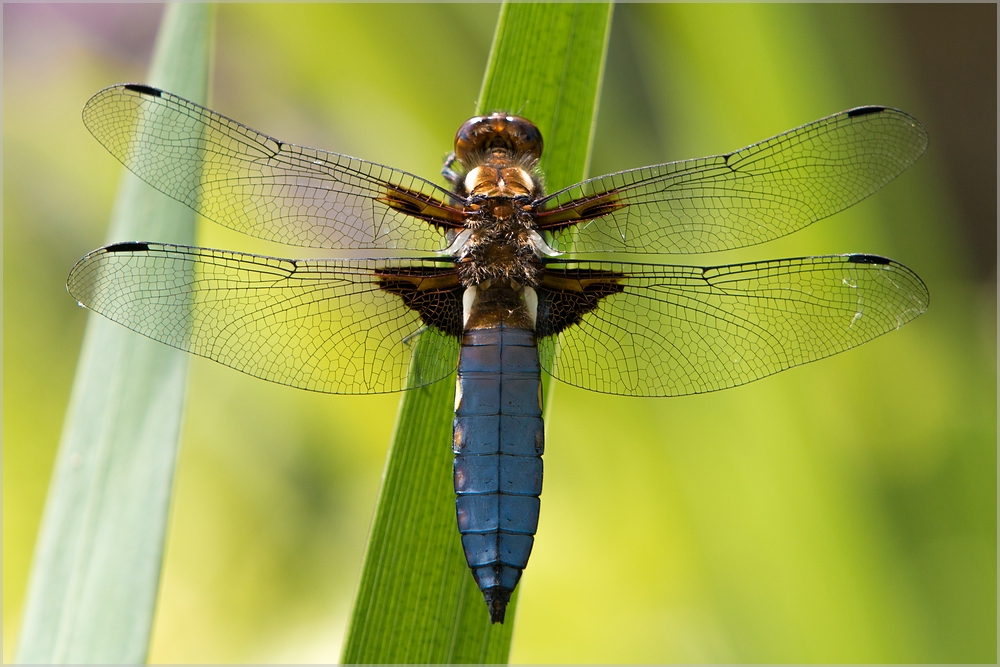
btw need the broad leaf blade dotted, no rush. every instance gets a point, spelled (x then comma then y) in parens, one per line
(96, 570)
(417, 600)
(547, 64)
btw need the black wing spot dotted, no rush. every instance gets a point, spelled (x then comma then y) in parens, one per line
(868, 259)
(144, 90)
(864, 111)
(128, 246)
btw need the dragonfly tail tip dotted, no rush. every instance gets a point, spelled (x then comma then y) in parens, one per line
(496, 602)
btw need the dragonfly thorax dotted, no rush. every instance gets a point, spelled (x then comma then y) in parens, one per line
(500, 179)
(499, 155)
(499, 251)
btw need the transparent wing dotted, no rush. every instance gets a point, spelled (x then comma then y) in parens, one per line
(323, 325)
(675, 330)
(753, 195)
(263, 187)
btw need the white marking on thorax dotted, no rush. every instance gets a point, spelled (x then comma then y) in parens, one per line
(468, 298)
(457, 244)
(458, 393)
(531, 303)
(541, 247)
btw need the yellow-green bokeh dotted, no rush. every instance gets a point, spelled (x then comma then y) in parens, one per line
(843, 511)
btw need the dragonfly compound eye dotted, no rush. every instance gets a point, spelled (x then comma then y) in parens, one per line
(514, 134)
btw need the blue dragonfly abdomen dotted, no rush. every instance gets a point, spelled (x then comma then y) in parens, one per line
(498, 444)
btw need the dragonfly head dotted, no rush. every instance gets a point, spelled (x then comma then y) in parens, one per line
(482, 135)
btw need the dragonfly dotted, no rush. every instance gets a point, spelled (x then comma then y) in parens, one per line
(490, 283)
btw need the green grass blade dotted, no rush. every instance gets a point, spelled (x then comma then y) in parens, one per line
(417, 600)
(547, 64)
(96, 569)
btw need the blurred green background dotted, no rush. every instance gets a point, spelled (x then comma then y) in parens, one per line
(842, 511)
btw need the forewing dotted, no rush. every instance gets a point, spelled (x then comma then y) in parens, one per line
(753, 195)
(323, 325)
(263, 187)
(673, 330)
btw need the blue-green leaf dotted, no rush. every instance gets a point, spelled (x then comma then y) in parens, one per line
(96, 569)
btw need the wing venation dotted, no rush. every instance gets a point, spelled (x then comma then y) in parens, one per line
(750, 196)
(676, 330)
(263, 187)
(323, 325)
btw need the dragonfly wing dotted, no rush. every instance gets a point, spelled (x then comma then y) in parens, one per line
(263, 187)
(756, 194)
(649, 330)
(336, 326)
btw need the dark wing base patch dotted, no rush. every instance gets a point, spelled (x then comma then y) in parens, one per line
(423, 207)
(574, 213)
(566, 295)
(436, 294)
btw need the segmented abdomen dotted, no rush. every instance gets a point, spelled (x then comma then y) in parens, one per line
(498, 444)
